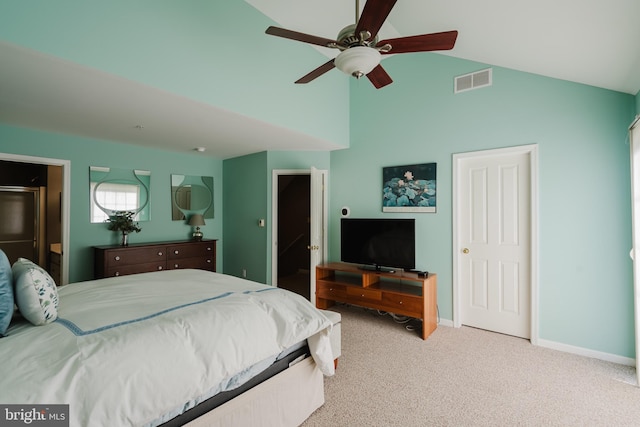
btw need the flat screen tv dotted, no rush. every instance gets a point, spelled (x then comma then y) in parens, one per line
(378, 243)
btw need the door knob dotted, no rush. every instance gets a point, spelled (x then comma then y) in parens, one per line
(465, 251)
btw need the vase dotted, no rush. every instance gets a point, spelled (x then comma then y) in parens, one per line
(125, 238)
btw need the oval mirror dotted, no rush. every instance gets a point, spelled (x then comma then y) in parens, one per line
(117, 190)
(191, 194)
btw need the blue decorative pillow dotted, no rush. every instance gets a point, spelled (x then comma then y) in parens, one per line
(6, 293)
(35, 292)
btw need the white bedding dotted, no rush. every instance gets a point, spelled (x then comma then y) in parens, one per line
(139, 349)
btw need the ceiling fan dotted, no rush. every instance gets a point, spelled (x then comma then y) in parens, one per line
(360, 50)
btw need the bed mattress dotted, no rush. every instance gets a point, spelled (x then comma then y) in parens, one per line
(141, 349)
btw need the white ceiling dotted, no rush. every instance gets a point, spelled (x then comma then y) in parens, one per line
(594, 42)
(44, 92)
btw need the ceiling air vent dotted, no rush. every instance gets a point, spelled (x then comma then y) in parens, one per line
(472, 81)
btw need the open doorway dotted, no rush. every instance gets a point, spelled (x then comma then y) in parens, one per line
(33, 195)
(294, 233)
(300, 220)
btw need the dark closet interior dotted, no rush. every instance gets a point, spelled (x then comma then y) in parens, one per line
(294, 233)
(31, 213)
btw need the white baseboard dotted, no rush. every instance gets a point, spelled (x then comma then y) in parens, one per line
(607, 357)
(445, 322)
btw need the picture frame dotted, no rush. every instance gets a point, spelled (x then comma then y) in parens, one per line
(409, 188)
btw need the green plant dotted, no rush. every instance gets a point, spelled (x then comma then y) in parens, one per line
(123, 221)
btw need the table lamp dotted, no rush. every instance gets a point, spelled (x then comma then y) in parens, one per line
(197, 220)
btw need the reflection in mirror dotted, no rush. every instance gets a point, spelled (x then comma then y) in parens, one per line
(114, 190)
(191, 195)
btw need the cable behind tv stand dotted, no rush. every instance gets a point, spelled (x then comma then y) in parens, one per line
(400, 292)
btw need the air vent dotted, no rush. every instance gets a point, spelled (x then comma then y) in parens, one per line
(472, 81)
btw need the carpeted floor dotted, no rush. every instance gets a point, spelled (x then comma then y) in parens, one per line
(388, 376)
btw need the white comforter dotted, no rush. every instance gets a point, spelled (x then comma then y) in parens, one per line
(139, 349)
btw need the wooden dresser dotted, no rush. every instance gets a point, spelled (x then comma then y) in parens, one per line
(117, 260)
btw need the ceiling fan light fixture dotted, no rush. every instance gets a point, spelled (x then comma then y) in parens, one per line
(357, 61)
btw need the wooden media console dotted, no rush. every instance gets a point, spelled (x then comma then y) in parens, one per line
(400, 292)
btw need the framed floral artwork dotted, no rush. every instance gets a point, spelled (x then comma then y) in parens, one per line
(410, 188)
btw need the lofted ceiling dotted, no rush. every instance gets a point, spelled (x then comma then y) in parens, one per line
(594, 42)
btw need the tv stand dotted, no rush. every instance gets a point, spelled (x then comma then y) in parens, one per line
(399, 292)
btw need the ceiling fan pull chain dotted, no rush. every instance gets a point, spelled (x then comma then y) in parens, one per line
(357, 10)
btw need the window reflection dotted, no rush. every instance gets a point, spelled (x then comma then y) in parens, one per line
(119, 197)
(116, 190)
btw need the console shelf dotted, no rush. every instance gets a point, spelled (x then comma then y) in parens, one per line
(400, 292)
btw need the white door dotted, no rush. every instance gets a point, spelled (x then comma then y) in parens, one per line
(635, 210)
(318, 245)
(493, 245)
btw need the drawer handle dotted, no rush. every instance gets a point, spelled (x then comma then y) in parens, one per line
(159, 267)
(117, 258)
(176, 252)
(117, 273)
(400, 302)
(159, 253)
(209, 248)
(209, 261)
(175, 265)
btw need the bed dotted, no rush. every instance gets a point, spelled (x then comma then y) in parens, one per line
(156, 348)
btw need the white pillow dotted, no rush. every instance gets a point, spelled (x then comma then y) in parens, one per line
(35, 292)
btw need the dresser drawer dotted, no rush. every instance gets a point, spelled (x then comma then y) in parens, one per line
(364, 293)
(330, 291)
(192, 250)
(407, 303)
(123, 270)
(129, 256)
(201, 263)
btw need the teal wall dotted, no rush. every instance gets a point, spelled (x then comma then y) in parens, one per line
(83, 153)
(215, 52)
(248, 183)
(245, 201)
(584, 207)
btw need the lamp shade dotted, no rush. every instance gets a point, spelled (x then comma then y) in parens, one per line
(196, 220)
(357, 61)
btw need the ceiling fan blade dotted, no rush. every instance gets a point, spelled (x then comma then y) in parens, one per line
(327, 66)
(301, 37)
(379, 77)
(421, 43)
(373, 16)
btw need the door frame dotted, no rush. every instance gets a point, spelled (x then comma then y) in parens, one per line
(65, 203)
(634, 145)
(532, 151)
(274, 223)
